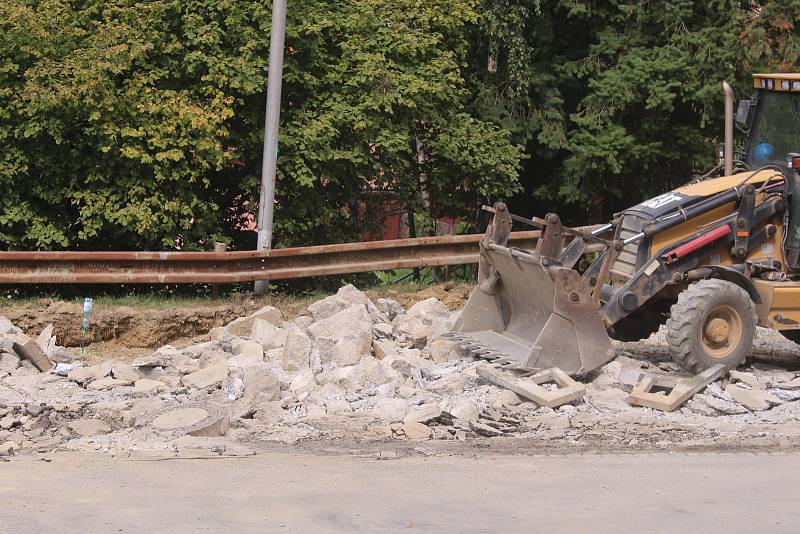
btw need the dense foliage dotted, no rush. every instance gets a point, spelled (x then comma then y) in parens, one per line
(138, 124)
(621, 100)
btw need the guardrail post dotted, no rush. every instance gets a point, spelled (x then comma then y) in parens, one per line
(218, 247)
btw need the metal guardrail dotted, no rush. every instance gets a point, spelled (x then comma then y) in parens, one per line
(243, 266)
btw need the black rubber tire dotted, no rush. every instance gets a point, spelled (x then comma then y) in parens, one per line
(688, 316)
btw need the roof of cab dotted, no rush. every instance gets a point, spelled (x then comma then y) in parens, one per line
(777, 81)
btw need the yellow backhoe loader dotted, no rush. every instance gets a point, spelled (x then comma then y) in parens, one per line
(711, 259)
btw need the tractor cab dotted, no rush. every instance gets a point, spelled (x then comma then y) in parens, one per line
(772, 123)
(773, 127)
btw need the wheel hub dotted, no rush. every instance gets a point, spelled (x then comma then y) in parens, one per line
(722, 331)
(717, 330)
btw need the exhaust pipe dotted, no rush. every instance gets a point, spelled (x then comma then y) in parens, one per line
(728, 150)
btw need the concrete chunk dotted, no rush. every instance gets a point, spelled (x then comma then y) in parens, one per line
(296, 350)
(211, 376)
(343, 338)
(423, 414)
(681, 389)
(699, 401)
(462, 409)
(391, 308)
(8, 362)
(390, 409)
(417, 431)
(84, 374)
(193, 419)
(346, 297)
(748, 378)
(245, 360)
(8, 448)
(30, 351)
(145, 386)
(268, 335)
(103, 384)
(124, 371)
(46, 340)
(261, 385)
(484, 429)
(7, 327)
(244, 347)
(384, 349)
(383, 330)
(530, 388)
(443, 350)
(752, 399)
(431, 307)
(89, 427)
(790, 385)
(243, 326)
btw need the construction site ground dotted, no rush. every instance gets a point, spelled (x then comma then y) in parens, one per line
(297, 492)
(349, 413)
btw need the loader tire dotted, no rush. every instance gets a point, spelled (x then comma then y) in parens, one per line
(713, 322)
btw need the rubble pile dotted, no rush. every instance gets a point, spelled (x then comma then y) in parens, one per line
(351, 369)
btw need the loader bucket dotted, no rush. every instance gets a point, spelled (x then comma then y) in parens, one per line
(525, 315)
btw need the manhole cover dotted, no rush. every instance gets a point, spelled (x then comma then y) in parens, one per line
(193, 419)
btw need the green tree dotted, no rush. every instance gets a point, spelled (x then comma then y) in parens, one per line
(129, 123)
(623, 98)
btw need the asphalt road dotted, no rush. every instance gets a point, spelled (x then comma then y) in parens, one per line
(289, 492)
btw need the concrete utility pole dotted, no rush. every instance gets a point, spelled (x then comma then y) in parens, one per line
(269, 163)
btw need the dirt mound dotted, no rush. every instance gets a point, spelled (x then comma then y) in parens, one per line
(124, 325)
(115, 330)
(453, 295)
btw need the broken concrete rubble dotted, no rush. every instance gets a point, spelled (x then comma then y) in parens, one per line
(107, 383)
(194, 420)
(567, 389)
(416, 431)
(681, 389)
(392, 410)
(211, 376)
(8, 362)
(390, 308)
(358, 370)
(752, 399)
(243, 326)
(347, 296)
(268, 335)
(423, 414)
(711, 406)
(31, 352)
(145, 386)
(89, 427)
(443, 350)
(463, 409)
(296, 350)
(8, 448)
(341, 339)
(7, 327)
(124, 371)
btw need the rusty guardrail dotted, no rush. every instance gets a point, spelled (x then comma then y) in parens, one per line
(242, 266)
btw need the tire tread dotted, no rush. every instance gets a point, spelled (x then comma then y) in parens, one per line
(689, 310)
